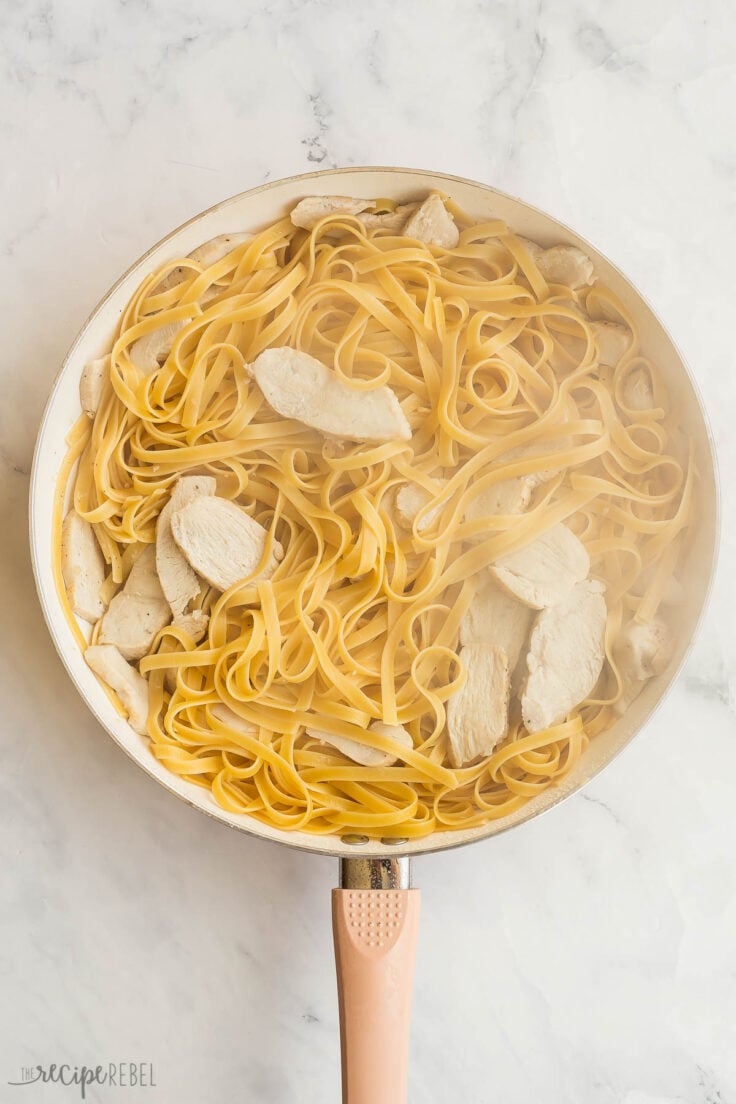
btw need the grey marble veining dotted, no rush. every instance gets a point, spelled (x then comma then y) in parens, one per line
(586, 958)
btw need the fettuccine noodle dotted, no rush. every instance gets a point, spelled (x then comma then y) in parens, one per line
(360, 620)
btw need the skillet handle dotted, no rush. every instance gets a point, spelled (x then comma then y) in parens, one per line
(375, 934)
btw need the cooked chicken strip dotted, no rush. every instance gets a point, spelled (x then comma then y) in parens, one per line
(432, 223)
(215, 249)
(138, 611)
(510, 496)
(194, 623)
(613, 341)
(529, 452)
(410, 499)
(150, 351)
(92, 384)
(643, 651)
(637, 392)
(477, 715)
(229, 717)
(132, 689)
(362, 753)
(562, 264)
(565, 657)
(82, 567)
(309, 211)
(179, 582)
(205, 255)
(494, 617)
(543, 572)
(298, 386)
(221, 542)
(388, 220)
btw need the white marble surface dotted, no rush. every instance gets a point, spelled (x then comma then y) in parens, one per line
(587, 958)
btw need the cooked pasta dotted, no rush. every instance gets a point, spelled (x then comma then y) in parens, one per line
(499, 372)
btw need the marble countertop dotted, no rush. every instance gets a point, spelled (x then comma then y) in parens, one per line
(587, 958)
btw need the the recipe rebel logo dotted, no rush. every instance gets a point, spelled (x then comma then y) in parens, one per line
(113, 1075)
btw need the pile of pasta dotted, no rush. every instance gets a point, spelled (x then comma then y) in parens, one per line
(499, 372)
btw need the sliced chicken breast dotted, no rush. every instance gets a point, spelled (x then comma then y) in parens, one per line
(138, 611)
(309, 211)
(130, 686)
(510, 496)
(205, 255)
(477, 715)
(643, 651)
(215, 249)
(495, 618)
(637, 392)
(565, 657)
(194, 623)
(92, 384)
(150, 351)
(298, 386)
(543, 572)
(179, 582)
(432, 223)
(562, 264)
(221, 542)
(362, 753)
(232, 719)
(82, 567)
(388, 220)
(529, 452)
(612, 339)
(410, 499)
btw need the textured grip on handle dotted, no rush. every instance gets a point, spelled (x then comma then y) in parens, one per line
(375, 943)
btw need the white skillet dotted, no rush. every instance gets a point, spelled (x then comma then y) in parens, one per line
(375, 913)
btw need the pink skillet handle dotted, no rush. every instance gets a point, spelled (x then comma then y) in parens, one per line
(375, 944)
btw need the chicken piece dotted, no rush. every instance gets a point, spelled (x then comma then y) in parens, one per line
(138, 611)
(637, 392)
(432, 223)
(309, 211)
(82, 567)
(510, 496)
(362, 753)
(529, 452)
(477, 715)
(215, 249)
(195, 624)
(410, 499)
(562, 264)
(222, 543)
(92, 384)
(232, 719)
(612, 339)
(642, 651)
(150, 351)
(388, 220)
(565, 659)
(130, 686)
(205, 255)
(179, 582)
(298, 386)
(495, 618)
(543, 572)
